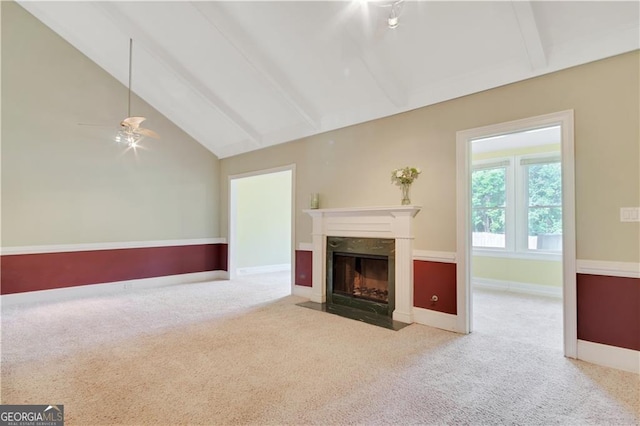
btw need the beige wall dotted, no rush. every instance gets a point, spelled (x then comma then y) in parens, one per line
(351, 166)
(66, 184)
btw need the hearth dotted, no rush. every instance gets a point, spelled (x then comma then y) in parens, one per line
(361, 277)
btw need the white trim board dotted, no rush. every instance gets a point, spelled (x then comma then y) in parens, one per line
(435, 319)
(60, 248)
(264, 269)
(92, 290)
(609, 356)
(517, 287)
(612, 269)
(302, 291)
(434, 256)
(260, 172)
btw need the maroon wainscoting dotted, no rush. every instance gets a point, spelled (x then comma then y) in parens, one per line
(44, 271)
(303, 268)
(437, 278)
(609, 310)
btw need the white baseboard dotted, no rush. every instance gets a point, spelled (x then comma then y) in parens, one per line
(302, 291)
(405, 317)
(265, 269)
(435, 319)
(68, 293)
(609, 356)
(516, 287)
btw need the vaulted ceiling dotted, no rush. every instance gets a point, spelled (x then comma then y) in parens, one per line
(239, 76)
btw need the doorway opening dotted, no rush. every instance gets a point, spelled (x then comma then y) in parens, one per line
(516, 235)
(516, 227)
(261, 223)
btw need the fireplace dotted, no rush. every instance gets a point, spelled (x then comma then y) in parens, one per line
(370, 234)
(361, 276)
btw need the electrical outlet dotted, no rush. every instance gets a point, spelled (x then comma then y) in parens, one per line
(629, 214)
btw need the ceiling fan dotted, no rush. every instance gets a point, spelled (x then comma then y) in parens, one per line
(130, 131)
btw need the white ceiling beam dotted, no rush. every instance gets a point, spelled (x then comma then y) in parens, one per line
(265, 67)
(186, 76)
(530, 33)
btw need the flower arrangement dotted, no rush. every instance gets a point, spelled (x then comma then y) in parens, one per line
(405, 176)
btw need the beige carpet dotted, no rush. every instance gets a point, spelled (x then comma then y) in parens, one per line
(242, 352)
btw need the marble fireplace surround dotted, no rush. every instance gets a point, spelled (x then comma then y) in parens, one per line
(394, 222)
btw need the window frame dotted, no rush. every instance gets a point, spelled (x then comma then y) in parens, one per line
(495, 163)
(516, 209)
(522, 206)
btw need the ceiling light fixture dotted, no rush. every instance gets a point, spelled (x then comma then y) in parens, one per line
(129, 138)
(394, 16)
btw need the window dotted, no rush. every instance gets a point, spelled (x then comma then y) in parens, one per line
(517, 204)
(543, 179)
(489, 205)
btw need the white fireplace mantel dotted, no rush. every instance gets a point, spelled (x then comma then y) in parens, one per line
(395, 222)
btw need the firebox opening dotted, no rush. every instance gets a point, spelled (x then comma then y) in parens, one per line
(361, 277)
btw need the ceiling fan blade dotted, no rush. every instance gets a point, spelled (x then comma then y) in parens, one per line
(147, 132)
(94, 125)
(132, 122)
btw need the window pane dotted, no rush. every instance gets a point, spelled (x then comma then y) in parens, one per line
(488, 187)
(544, 211)
(488, 227)
(545, 184)
(545, 228)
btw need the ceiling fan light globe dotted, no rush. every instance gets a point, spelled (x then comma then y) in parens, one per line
(128, 138)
